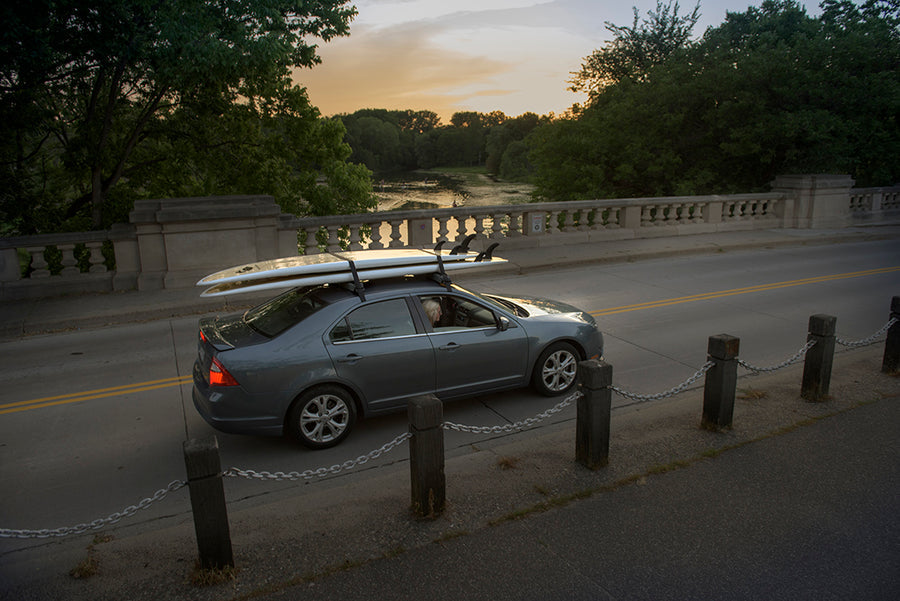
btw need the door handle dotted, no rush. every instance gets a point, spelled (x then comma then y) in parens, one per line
(351, 358)
(452, 346)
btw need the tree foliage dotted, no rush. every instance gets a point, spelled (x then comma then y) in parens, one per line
(770, 91)
(635, 50)
(106, 101)
(393, 141)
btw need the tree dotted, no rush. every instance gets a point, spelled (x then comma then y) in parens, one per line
(635, 50)
(87, 89)
(502, 137)
(770, 91)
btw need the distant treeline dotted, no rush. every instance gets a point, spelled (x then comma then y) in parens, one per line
(392, 141)
(770, 91)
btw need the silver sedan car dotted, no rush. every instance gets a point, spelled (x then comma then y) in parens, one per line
(311, 361)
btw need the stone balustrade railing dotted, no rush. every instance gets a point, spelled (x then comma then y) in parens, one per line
(868, 203)
(602, 219)
(173, 242)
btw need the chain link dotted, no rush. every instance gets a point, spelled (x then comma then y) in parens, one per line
(98, 523)
(521, 425)
(796, 357)
(671, 392)
(871, 339)
(235, 472)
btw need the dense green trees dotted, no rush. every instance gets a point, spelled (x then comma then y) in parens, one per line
(111, 100)
(770, 91)
(126, 99)
(395, 141)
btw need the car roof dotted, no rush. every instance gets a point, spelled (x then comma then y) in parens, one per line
(373, 289)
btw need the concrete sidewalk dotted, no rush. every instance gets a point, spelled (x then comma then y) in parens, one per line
(798, 501)
(29, 317)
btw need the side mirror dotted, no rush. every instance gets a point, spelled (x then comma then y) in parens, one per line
(504, 324)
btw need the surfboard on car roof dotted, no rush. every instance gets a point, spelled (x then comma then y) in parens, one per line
(343, 267)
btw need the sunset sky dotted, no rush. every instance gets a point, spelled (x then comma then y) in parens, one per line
(474, 55)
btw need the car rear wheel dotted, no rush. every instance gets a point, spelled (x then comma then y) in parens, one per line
(555, 370)
(322, 417)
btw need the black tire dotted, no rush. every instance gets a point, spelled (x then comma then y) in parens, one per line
(556, 369)
(322, 417)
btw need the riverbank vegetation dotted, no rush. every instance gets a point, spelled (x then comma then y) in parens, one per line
(122, 100)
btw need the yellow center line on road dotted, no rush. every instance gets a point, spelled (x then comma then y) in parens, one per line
(736, 291)
(77, 397)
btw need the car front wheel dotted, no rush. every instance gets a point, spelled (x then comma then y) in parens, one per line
(321, 417)
(556, 369)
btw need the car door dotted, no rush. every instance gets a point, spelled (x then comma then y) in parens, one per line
(376, 348)
(472, 353)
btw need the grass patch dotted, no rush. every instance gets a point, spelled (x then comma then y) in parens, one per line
(507, 463)
(89, 566)
(213, 576)
(752, 394)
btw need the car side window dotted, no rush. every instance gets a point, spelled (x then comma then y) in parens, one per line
(383, 319)
(448, 312)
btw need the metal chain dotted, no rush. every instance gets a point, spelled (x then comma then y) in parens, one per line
(796, 357)
(671, 392)
(96, 524)
(322, 471)
(871, 339)
(521, 425)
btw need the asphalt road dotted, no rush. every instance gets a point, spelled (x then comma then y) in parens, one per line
(117, 409)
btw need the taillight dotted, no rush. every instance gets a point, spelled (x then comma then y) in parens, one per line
(202, 336)
(219, 376)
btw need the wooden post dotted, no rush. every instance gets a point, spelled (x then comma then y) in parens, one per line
(819, 358)
(204, 473)
(592, 425)
(891, 362)
(426, 456)
(721, 382)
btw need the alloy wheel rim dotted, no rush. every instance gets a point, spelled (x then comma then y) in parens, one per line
(324, 418)
(559, 371)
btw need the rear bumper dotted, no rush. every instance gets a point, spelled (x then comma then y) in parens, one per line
(227, 410)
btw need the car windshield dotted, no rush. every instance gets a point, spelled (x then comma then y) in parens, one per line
(277, 315)
(499, 302)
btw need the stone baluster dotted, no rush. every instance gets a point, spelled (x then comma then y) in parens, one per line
(307, 239)
(515, 225)
(460, 227)
(355, 240)
(375, 235)
(479, 225)
(396, 235)
(699, 210)
(569, 222)
(96, 257)
(334, 238)
(39, 265)
(553, 225)
(442, 230)
(69, 263)
(646, 216)
(497, 227)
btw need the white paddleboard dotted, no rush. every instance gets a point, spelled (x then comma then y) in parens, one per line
(331, 262)
(276, 279)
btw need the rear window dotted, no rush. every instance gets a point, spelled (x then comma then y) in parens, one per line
(284, 311)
